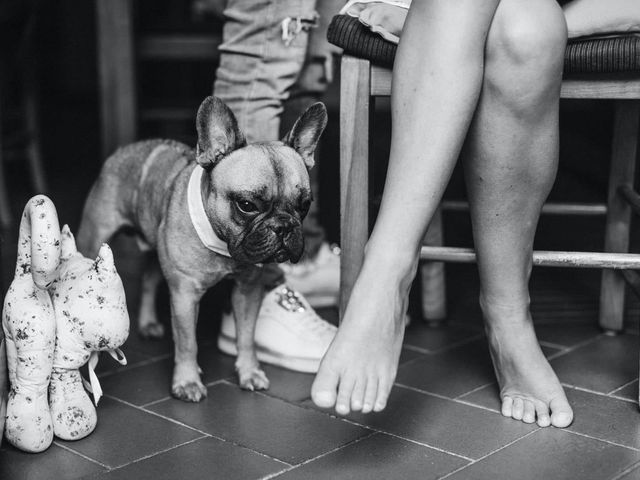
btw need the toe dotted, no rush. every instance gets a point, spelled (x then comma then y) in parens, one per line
(529, 415)
(324, 388)
(507, 406)
(357, 397)
(518, 409)
(343, 403)
(542, 412)
(370, 395)
(561, 412)
(384, 387)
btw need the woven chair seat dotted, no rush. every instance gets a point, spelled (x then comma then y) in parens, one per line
(602, 55)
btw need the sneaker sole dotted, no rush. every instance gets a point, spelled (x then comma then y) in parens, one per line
(227, 345)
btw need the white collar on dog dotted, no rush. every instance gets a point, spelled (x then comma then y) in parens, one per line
(198, 216)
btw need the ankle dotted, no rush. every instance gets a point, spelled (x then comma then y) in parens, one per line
(396, 262)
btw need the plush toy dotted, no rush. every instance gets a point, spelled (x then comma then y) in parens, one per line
(29, 326)
(91, 316)
(61, 310)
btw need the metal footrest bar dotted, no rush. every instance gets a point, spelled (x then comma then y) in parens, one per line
(541, 258)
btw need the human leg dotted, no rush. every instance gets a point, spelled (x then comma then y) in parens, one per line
(437, 81)
(510, 164)
(257, 65)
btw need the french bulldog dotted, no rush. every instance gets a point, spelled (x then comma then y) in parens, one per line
(223, 210)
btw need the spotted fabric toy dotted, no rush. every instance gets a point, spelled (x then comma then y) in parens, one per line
(61, 310)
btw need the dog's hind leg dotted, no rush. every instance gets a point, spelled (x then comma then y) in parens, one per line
(148, 324)
(101, 218)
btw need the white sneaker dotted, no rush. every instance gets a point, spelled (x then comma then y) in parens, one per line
(317, 279)
(289, 333)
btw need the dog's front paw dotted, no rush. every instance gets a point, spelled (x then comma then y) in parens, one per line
(152, 331)
(193, 391)
(252, 379)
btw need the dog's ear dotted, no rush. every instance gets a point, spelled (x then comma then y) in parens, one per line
(218, 132)
(305, 133)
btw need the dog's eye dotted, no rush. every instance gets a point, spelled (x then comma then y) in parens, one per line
(247, 207)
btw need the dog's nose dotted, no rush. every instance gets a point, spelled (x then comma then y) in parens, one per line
(284, 227)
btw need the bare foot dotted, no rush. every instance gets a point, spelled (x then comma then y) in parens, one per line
(529, 388)
(359, 369)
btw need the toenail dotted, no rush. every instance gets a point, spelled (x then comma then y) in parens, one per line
(323, 399)
(366, 408)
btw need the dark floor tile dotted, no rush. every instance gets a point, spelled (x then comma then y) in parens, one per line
(602, 366)
(554, 454)
(56, 462)
(451, 373)
(207, 458)
(408, 355)
(632, 474)
(149, 347)
(152, 381)
(288, 385)
(108, 365)
(140, 385)
(265, 424)
(487, 397)
(461, 429)
(432, 339)
(125, 434)
(605, 418)
(568, 334)
(379, 457)
(630, 391)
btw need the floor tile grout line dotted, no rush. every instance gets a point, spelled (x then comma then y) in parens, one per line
(491, 453)
(474, 390)
(461, 343)
(86, 457)
(367, 427)
(623, 386)
(593, 392)
(626, 470)
(169, 397)
(604, 440)
(202, 432)
(317, 457)
(443, 397)
(156, 414)
(544, 343)
(571, 349)
(437, 351)
(623, 399)
(134, 366)
(159, 452)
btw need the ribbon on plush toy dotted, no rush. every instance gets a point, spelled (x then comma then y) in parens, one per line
(93, 385)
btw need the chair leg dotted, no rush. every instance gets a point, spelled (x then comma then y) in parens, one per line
(623, 164)
(355, 111)
(434, 308)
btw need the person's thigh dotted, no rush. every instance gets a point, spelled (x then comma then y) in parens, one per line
(263, 50)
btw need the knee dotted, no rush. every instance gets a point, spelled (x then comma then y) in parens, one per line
(526, 45)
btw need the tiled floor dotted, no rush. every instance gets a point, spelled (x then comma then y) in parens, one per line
(442, 420)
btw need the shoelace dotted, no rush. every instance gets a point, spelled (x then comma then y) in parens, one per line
(93, 386)
(292, 301)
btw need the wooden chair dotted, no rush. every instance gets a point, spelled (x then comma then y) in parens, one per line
(605, 68)
(119, 49)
